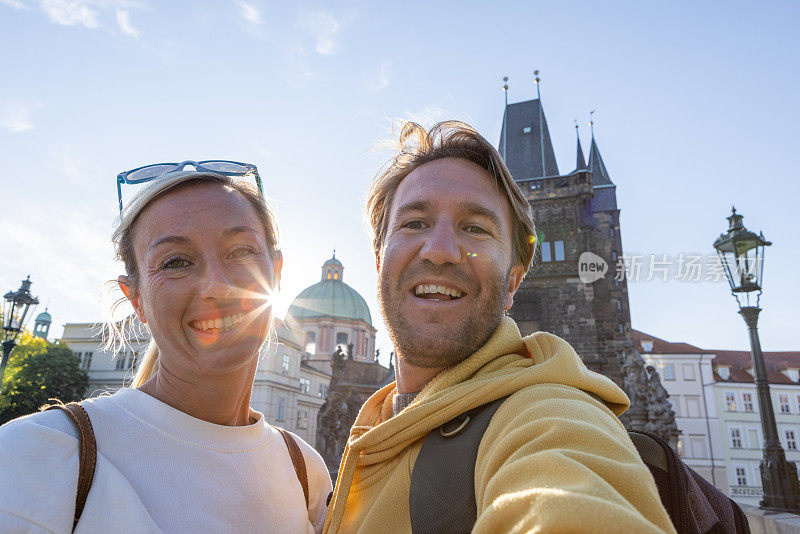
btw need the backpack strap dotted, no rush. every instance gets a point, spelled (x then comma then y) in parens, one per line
(442, 495)
(87, 452)
(298, 461)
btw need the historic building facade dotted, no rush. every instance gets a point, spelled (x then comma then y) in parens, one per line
(714, 397)
(576, 215)
(335, 324)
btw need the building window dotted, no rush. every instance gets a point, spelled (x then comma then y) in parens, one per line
(86, 360)
(783, 402)
(747, 402)
(698, 447)
(341, 341)
(119, 365)
(693, 405)
(558, 248)
(311, 342)
(526, 129)
(614, 256)
(752, 435)
(736, 438)
(305, 385)
(669, 371)
(281, 409)
(545, 248)
(680, 447)
(302, 419)
(621, 329)
(798, 403)
(724, 372)
(688, 371)
(612, 232)
(794, 375)
(741, 476)
(286, 364)
(730, 401)
(323, 391)
(791, 441)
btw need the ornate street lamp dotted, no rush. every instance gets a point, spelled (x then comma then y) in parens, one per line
(742, 255)
(16, 305)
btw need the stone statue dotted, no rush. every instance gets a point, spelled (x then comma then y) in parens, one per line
(650, 408)
(660, 415)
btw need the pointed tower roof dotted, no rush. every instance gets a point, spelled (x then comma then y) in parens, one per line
(597, 167)
(525, 141)
(580, 165)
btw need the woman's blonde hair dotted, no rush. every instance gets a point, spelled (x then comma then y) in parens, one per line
(450, 139)
(117, 332)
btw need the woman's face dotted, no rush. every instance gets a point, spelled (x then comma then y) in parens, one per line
(205, 278)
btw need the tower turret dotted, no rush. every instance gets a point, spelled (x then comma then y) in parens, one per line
(41, 325)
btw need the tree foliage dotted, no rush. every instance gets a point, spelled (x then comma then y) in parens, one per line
(39, 371)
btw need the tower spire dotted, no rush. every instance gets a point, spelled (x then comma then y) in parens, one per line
(541, 119)
(591, 122)
(580, 165)
(505, 111)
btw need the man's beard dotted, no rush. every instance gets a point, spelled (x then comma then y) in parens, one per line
(449, 345)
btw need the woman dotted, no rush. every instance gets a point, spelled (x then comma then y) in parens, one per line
(180, 451)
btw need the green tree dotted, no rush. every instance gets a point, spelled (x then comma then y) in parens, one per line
(37, 372)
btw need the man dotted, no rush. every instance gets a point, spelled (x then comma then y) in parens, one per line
(453, 241)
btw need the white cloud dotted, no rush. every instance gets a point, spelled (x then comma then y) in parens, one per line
(250, 12)
(16, 4)
(379, 81)
(91, 14)
(16, 118)
(124, 22)
(323, 27)
(71, 12)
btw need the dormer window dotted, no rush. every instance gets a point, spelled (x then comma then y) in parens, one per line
(793, 374)
(647, 346)
(724, 372)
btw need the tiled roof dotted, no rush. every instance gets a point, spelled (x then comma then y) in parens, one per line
(737, 361)
(661, 346)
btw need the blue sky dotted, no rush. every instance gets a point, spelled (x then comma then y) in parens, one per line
(696, 107)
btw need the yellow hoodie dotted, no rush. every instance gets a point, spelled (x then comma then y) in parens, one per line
(554, 458)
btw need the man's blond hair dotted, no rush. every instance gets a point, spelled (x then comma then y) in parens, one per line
(448, 139)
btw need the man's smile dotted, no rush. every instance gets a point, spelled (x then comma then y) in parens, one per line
(437, 292)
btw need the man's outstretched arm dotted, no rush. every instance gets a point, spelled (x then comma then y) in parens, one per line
(555, 459)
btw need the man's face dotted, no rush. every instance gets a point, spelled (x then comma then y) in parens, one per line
(445, 268)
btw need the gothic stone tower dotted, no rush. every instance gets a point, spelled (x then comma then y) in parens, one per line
(577, 213)
(574, 213)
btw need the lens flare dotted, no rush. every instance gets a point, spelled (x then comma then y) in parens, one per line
(472, 254)
(531, 239)
(256, 303)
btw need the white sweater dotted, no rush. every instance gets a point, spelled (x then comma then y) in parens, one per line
(158, 470)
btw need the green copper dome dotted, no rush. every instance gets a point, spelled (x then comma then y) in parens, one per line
(44, 317)
(330, 297)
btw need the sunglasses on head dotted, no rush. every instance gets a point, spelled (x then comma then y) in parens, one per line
(147, 173)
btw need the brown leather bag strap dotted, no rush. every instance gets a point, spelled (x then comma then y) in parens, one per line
(87, 452)
(298, 461)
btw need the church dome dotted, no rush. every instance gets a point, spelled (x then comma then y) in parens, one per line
(330, 297)
(44, 317)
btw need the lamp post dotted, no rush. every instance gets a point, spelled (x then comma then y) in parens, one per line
(16, 305)
(742, 255)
